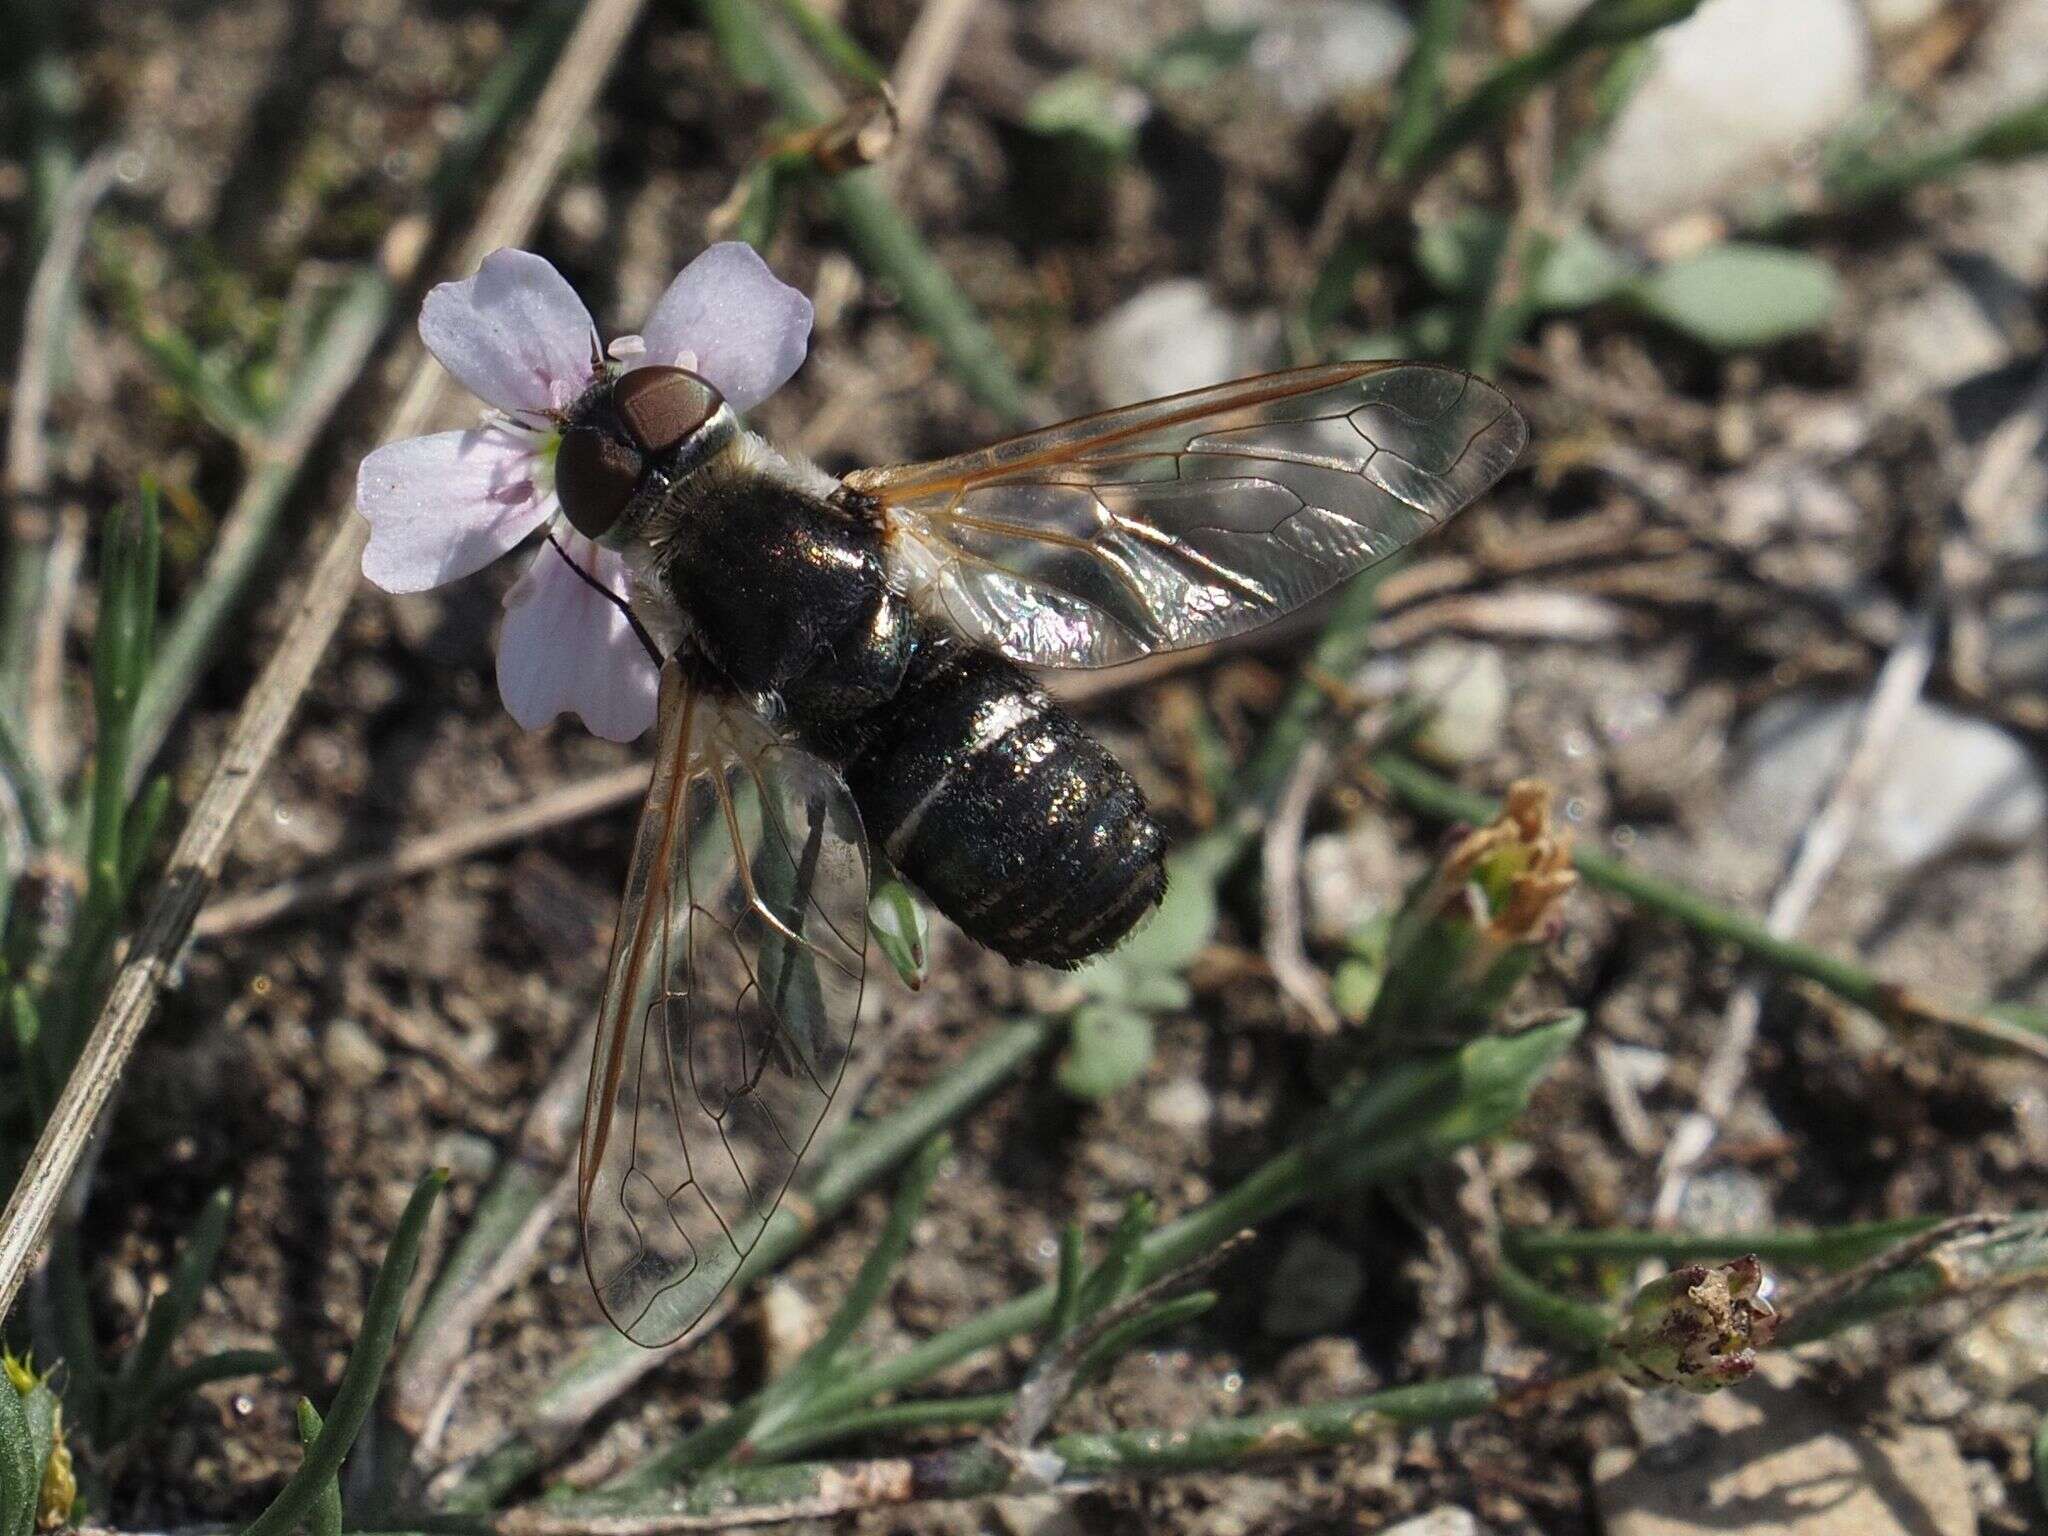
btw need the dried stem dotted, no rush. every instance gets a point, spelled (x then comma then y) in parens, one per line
(1827, 835)
(25, 604)
(511, 212)
(432, 850)
(922, 69)
(1280, 865)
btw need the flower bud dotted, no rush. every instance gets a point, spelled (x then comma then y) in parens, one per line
(1699, 1327)
(902, 928)
(1476, 926)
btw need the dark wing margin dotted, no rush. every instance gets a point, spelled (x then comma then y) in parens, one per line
(729, 1008)
(1180, 521)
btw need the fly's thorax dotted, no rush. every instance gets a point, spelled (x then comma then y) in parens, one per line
(774, 580)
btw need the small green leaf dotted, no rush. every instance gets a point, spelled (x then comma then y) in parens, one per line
(360, 1377)
(1582, 270)
(1741, 295)
(1102, 113)
(1189, 60)
(1462, 253)
(1158, 992)
(1354, 989)
(325, 1520)
(1108, 1048)
(21, 1473)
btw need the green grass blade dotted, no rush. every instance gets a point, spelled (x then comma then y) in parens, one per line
(365, 1370)
(325, 1520)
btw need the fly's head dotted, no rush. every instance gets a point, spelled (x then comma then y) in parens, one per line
(627, 440)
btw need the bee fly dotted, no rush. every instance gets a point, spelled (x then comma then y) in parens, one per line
(843, 666)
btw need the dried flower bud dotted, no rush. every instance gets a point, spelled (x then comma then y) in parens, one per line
(1476, 926)
(1698, 1327)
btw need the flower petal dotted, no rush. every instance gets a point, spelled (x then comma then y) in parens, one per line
(565, 649)
(443, 506)
(746, 329)
(515, 334)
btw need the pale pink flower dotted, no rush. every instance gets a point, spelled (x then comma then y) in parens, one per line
(444, 506)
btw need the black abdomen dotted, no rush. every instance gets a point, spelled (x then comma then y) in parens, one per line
(992, 799)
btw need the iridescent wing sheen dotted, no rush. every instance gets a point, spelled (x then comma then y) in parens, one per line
(735, 980)
(1183, 520)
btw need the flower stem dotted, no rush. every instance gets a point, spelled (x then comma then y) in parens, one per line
(751, 1494)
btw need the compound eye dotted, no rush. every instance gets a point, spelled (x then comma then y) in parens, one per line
(662, 407)
(595, 476)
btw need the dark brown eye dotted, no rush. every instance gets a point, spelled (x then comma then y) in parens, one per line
(595, 476)
(663, 406)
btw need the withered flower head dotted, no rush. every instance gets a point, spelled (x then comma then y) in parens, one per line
(1697, 1328)
(1514, 872)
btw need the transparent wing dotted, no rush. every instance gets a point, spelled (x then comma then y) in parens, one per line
(735, 979)
(1183, 520)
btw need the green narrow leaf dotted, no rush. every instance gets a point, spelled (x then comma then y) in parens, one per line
(1419, 92)
(141, 1374)
(835, 44)
(325, 1520)
(364, 1372)
(786, 1399)
(144, 820)
(1741, 295)
(226, 1365)
(1133, 1331)
(791, 1396)
(1066, 1296)
(1122, 1268)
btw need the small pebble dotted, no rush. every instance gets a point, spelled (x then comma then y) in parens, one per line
(351, 1055)
(1734, 93)
(1951, 783)
(1181, 1105)
(1314, 1288)
(1465, 687)
(1314, 56)
(1174, 336)
(1447, 1521)
(1349, 878)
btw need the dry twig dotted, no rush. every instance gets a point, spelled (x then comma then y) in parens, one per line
(340, 881)
(48, 609)
(922, 69)
(1280, 865)
(1827, 836)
